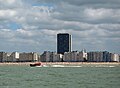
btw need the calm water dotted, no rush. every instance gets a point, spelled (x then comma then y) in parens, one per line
(85, 76)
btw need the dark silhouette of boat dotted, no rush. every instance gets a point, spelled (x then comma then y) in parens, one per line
(36, 64)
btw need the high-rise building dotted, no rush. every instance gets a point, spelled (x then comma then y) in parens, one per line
(63, 43)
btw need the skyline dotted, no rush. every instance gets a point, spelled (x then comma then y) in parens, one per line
(27, 25)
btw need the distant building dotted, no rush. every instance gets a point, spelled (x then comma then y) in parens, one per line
(28, 57)
(110, 57)
(84, 55)
(63, 43)
(48, 56)
(2, 56)
(18, 57)
(116, 57)
(67, 57)
(71, 56)
(119, 57)
(96, 56)
(6, 57)
(57, 57)
(107, 57)
(75, 56)
(45, 57)
(101, 56)
(14, 57)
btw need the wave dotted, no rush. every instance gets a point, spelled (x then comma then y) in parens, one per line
(105, 66)
(111, 66)
(64, 66)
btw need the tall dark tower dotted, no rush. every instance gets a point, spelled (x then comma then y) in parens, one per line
(63, 43)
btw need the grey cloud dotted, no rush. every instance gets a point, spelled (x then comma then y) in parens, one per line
(110, 27)
(94, 24)
(96, 3)
(86, 14)
(10, 4)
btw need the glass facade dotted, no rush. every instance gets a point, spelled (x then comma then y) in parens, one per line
(63, 43)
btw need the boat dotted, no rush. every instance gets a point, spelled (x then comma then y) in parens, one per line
(36, 64)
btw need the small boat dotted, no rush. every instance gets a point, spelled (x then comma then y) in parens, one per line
(36, 64)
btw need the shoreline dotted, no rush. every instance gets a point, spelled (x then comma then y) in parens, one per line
(61, 63)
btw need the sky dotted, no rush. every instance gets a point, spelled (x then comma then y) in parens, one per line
(32, 25)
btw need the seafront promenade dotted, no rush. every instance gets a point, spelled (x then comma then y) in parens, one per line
(62, 63)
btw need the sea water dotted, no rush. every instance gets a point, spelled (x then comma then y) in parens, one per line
(60, 76)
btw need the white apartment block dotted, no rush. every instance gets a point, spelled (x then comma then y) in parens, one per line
(75, 56)
(116, 57)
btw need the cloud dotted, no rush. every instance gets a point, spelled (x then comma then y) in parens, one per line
(32, 25)
(10, 4)
(7, 13)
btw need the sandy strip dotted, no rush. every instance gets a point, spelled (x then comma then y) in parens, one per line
(20, 63)
(79, 63)
(63, 63)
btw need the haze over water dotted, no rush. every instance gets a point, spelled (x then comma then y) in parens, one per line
(83, 76)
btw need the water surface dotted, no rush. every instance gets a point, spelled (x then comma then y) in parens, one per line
(83, 76)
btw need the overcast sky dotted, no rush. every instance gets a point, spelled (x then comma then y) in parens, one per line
(32, 25)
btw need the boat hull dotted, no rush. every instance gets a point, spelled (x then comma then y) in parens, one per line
(36, 64)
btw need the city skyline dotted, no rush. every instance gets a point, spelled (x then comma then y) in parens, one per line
(32, 26)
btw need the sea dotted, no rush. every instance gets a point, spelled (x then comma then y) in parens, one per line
(60, 76)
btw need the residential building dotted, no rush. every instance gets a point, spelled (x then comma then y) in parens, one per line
(107, 56)
(67, 57)
(116, 57)
(45, 57)
(14, 57)
(102, 56)
(28, 57)
(2, 56)
(48, 56)
(84, 55)
(96, 56)
(6, 57)
(57, 57)
(75, 56)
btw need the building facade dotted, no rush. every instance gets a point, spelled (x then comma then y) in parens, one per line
(63, 43)
(100, 56)
(75, 56)
(2, 56)
(48, 56)
(28, 57)
(14, 57)
(116, 58)
(95, 56)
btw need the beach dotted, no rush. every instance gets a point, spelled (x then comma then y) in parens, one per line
(62, 63)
